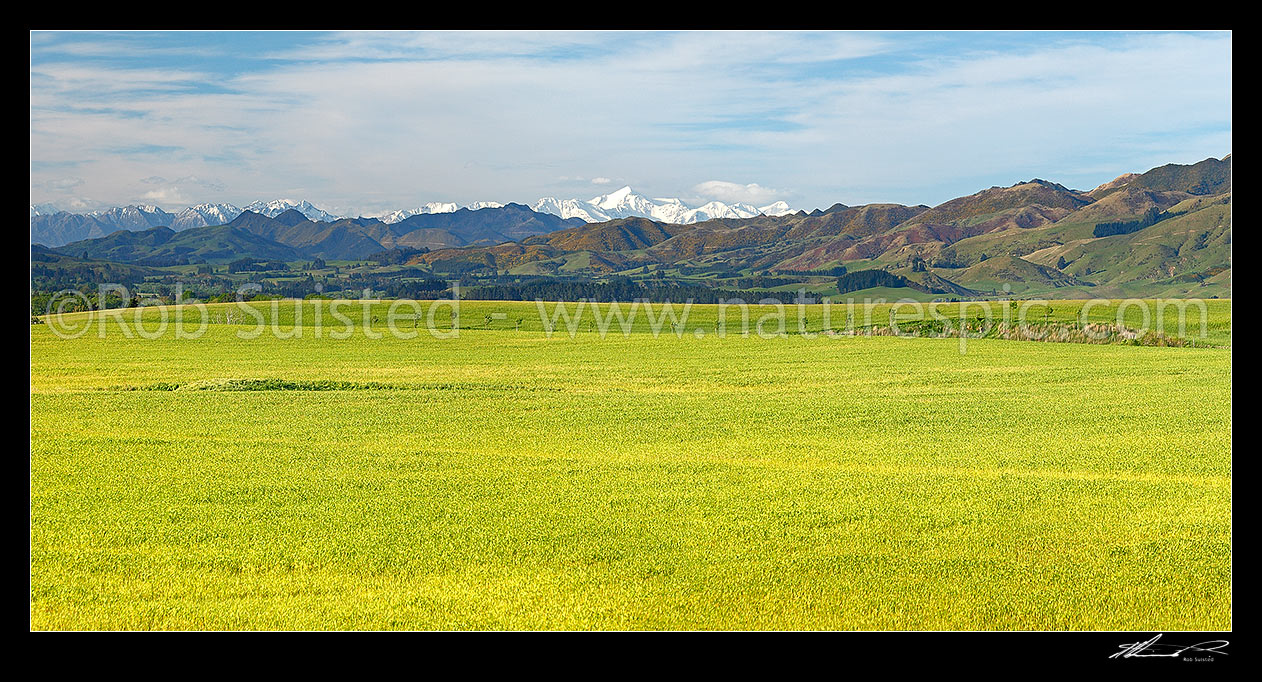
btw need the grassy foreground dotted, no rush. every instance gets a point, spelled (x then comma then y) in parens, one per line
(504, 479)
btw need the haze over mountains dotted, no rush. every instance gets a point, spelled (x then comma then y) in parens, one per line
(52, 227)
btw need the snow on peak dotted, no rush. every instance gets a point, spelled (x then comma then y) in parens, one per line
(621, 203)
(776, 209)
(202, 215)
(625, 203)
(44, 209)
(614, 199)
(569, 208)
(275, 207)
(133, 209)
(132, 217)
(425, 209)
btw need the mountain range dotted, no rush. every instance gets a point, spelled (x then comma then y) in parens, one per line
(625, 203)
(1165, 232)
(52, 227)
(291, 235)
(61, 227)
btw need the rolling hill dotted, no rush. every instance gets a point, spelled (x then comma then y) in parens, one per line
(164, 246)
(1015, 235)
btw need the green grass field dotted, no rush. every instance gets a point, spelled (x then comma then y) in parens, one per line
(505, 479)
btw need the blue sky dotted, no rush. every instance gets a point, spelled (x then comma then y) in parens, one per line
(360, 123)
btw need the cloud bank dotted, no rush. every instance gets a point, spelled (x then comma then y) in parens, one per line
(358, 123)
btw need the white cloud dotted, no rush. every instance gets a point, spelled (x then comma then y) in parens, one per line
(601, 181)
(61, 184)
(732, 192)
(364, 120)
(168, 196)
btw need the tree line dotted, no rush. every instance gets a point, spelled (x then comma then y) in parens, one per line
(1151, 217)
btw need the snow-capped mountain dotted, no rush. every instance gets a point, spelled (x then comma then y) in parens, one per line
(54, 227)
(51, 226)
(273, 208)
(140, 217)
(776, 209)
(432, 207)
(569, 208)
(625, 203)
(44, 209)
(202, 215)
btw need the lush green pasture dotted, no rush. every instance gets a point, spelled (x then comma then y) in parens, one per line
(1209, 321)
(505, 479)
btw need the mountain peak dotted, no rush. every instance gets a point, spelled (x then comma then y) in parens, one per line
(625, 203)
(291, 217)
(616, 199)
(276, 207)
